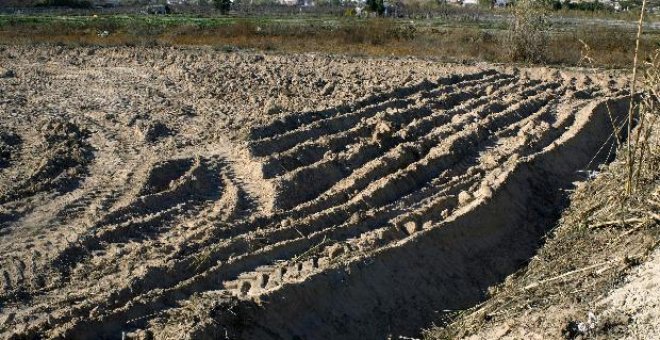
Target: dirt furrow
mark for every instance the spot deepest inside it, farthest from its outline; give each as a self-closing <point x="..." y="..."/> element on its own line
<point x="280" y="143"/>
<point x="375" y="167"/>
<point x="310" y="181"/>
<point x="385" y="235"/>
<point x="295" y="121"/>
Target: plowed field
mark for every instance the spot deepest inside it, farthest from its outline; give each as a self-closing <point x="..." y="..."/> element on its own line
<point x="165" y="193"/>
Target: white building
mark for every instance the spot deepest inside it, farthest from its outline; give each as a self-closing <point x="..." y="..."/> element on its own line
<point x="302" y="3"/>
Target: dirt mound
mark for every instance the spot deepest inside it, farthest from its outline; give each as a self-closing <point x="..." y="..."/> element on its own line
<point x="352" y="215"/>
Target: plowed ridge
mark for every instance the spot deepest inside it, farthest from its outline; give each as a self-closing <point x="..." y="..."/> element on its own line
<point x="345" y="222"/>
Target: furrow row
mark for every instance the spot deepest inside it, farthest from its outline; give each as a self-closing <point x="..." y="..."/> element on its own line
<point x="384" y="122"/>
<point x="295" y="121"/>
<point x="351" y="170"/>
<point x="335" y="124"/>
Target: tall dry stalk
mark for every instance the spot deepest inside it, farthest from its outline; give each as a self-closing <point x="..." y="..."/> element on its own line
<point x="527" y="39"/>
<point x="645" y="142"/>
<point x="633" y="91"/>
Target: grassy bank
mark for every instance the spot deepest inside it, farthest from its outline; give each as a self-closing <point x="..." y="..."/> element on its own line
<point x="448" y="40"/>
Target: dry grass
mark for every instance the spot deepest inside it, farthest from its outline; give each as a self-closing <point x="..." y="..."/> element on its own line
<point x="644" y="139"/>
<point x="378" y="37"/>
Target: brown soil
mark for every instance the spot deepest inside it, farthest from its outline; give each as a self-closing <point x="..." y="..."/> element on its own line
<point x="176" y="193"/>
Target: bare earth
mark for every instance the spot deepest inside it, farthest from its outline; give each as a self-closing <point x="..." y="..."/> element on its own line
<point x="638" y="300"/>
<point x="195" y="194"/>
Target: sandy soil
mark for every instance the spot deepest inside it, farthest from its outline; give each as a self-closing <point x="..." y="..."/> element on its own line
<point x="637" y="301"/>
<point x="190" y="193"/>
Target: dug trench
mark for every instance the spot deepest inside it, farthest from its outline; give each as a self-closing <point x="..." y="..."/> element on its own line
<point x="401" y="288"/>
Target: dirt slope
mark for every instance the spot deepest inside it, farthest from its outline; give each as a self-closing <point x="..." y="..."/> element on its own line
<point x="595" y="278"/>
<point x="188" y="193"/>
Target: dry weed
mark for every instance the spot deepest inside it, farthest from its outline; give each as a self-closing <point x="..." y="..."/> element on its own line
<point x="527" y="38"/>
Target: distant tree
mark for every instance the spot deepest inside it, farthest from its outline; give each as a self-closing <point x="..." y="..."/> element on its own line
<point x="223" y="5"/>
<point x="376" y="6"/>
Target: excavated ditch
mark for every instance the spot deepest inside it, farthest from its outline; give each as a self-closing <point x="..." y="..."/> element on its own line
<point x="358" y="220"/>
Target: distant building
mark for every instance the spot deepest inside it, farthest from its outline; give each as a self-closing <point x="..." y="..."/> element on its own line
<point x="183" y="2"/>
